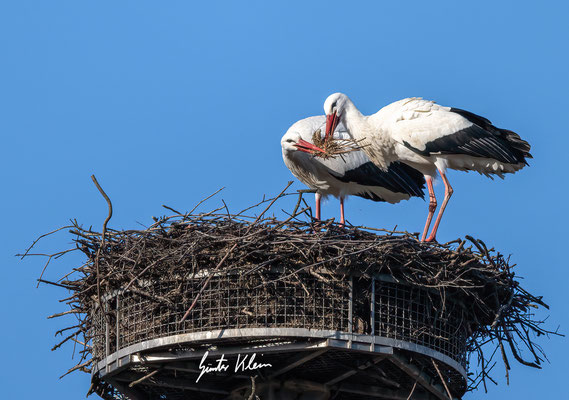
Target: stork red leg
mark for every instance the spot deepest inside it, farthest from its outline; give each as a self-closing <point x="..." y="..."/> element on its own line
<point x="317" y="198"/>
<point x="432" y="206"/>
<point x="342" y="220"/>
<point x="448" y="194"/>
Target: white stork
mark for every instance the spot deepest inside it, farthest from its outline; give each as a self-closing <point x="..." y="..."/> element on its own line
<point x="429" y="137"/>
<point x="352" y="174"/>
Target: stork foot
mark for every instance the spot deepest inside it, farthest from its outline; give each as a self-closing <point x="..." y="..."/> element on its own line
<point x="431" y="238"/>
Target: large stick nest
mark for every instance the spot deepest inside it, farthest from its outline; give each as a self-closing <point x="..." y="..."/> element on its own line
<point x="498" y="310"/>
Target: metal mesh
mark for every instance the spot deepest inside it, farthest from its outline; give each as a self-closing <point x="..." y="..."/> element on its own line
<point x="418" y="316"/>
<point x="228" y="302"/>
<point x="400" y="312"/>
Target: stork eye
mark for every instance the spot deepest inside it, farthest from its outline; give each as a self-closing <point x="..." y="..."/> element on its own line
<point x="290" y="141"/>
<point x="334" y="105"/>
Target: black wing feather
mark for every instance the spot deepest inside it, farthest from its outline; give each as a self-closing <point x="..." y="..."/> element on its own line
<point x="517" y="146"/>
<point x="370" y="196"/>
<point x="399" y="178"/>
<point x="481" y="139"/>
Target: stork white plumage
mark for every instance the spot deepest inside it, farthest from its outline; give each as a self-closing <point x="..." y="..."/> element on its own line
<point x="430" y="138"/>
<point x="352" y="174"/>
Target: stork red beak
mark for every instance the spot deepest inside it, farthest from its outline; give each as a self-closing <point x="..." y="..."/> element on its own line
<point x="331" y="124"/>
<point x="308" y="147"/>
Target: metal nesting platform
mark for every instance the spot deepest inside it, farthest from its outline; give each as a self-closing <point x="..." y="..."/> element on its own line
<point x="351" y="338"/>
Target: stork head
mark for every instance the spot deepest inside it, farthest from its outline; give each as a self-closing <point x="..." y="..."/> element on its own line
<point x="292" y="141"/>
<point x="334" y="107"/>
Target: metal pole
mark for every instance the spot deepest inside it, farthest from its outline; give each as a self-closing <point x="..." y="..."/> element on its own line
<point x="372" y="316"/>
<point x="117" y="329"/>
<point x="350" y="311"/>
<point x="107" y="330"/>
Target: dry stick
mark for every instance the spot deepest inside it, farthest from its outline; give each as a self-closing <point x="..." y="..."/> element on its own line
<point x="300" y="193"/>
<point x="57" y="346"/>
<point x="156" y="298"/>
<point x="319" y="263"/>
<point x="143" y="271"/>
<point x="78" y="366"/>
<point x="59" y="332"/>
<point x="513" y="349"/>
<point x="81" y="343"/>
<point x="50" y="257"/>
<point x="482" y="248"/>
<point x="297" y="203"/>
<point x="206" y="283"/>
<point x="74" y="346"/>
<point x="54" y="284"/>
<point x="504" y="357"/>
<point x="42" y="236"/>
<point x="252" y="396"/>
<point x="503" y="308"/>
<point x="145" y="377"/>
<point x="412" y="391"/>
<point x="270" y="205"/>
<point x="74" y="311"/>
<point x="171" y="209"/>
<point x="102" y="238"/>
<point x="229" y="252"/>
<point x="266" y="200"/>
<point x="442" y="379"/>
<point x="227" y="209"/>
<point x="207" y="198"/>
<point x="293" y="216"/>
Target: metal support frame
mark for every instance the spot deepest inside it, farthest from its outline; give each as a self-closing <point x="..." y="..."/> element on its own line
<point x="375" y="391"/>
<point x="118" y="327"/>
<point x="350" y="310"/>
<point x="291" y="339"/>
<point x="422" y="378"/>
<point x="354" y="371"/>
<point x="372" y="311"/>
<point x="131" y="393"/>
<point x="107" y="331"/>
<point x="182" y="351"/>
<point x="173" y="383"/>
<point x="303" y="358"/>
<point x="188" y="366"/>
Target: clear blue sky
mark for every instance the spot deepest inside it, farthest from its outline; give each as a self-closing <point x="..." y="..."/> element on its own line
<point x="167" y="101"/>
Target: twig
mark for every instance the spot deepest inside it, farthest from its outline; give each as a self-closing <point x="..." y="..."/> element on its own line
<point x="252" y="396"/>
<point x="206" y="199"/>
<point x="442" y="379"/>
<point x="110" y="206"/>
<point x="270" y="205"/>
<point x="145" y="377"/>
<point x="412" y="390"/>
<point x="41" y="237"/>
<point x="75" y="368"/>
<point x="207" y="282"/>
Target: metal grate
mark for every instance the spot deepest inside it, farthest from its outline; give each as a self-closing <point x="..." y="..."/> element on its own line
<point x="381" y="308"/>
<point x="418" y="316"/>
<point x="228" y="302"/>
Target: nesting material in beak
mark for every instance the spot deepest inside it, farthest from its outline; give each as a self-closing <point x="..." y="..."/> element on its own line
<point x="331" y="124"/>
<point x="307" y="147"/>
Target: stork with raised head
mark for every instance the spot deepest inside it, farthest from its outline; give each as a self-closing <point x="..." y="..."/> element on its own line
<point x="352" y="174"/>
<point x="430" y="138"/>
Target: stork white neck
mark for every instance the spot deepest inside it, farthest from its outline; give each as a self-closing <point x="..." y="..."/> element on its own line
<point x="354" y="121"/>
<point x="376" y="143"/>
